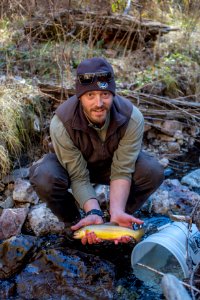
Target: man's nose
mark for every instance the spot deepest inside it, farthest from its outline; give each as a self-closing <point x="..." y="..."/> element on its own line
<point x="99" y="101"/>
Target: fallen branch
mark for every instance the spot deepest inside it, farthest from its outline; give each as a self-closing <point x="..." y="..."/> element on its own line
<point x="162" y="274"/>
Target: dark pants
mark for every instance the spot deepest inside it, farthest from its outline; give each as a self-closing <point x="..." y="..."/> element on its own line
<point x="51" y="182"/>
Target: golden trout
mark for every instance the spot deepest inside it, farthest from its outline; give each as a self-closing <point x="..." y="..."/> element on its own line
<point x="109" y="232"/>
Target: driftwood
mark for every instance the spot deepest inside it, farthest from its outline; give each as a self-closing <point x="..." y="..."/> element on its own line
<point x="173" y="289"/>
<point x="189" y="286"/>
<point x="154" y="108"/>
<point x="122" y="30"/>
<point x="182" y="109"/>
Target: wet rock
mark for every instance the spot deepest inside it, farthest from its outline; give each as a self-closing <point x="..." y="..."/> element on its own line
<point x="16" y="174"/>
<point x="42" y="221"/>
<point x="11" y="221"/>
<point x="175" y="197"/>
<point x="23" y="192"/>
<point x="192" y="179"/>
<point x="7" y="289"/>
<point x="168" y="172"/>
<point x="14" y="253"/>
<point x="58" y="273"/>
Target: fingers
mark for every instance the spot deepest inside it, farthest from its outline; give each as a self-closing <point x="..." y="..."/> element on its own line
<point x="137" y="221"/>
<point x="90" y="238"/>
<point x="123" y="239"/>
<point x="126" y="220"/>
<point x="78" y="225"/>
<point x="92" y="219"/>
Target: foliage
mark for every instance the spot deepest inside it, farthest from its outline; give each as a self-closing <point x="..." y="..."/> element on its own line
<point x="118" y="5"/>
<point x="177" y="72"/>
<point x="19" y="104"/>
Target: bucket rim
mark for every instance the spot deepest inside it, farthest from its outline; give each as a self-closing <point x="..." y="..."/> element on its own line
<point x="183" y="265"/>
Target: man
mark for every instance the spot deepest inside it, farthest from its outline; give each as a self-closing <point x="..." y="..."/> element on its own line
<point x="97" y="137"/>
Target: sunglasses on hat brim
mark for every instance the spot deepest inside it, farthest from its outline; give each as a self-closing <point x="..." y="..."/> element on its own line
<point x="88" y="78"/>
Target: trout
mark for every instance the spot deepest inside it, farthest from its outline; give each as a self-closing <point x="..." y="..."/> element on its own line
<point x="109" y="232"/>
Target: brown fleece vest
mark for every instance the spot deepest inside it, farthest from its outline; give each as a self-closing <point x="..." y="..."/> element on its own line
<point x="98" y="154"/>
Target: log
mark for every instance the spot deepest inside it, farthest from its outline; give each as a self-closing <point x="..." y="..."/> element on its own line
<point x="173" y="288"/>
<point x="91" y="26"/>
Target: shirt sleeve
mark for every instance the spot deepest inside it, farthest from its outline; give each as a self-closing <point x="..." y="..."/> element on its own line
<point x="123" y="165"/>
<point x="73" y="161"/>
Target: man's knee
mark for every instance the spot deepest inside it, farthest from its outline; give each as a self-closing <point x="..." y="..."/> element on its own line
<point x="155" y="174"/>
<point x="46" y="175"/>
<point x="148" y="170"/>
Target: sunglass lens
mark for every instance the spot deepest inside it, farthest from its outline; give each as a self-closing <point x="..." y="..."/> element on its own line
<point x="86" y="78"/>
<point x="104" y="76"/>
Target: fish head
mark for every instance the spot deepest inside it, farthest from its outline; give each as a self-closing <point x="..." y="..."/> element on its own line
<point x="79" y="234"/>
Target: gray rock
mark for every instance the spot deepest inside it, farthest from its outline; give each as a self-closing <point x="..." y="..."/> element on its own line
<point x="11" y="221"/>
<point x="164" y="162"/>
<point x="192" y="179"/>
<point x="16" y="174"/>
<point x="174" y="147"/>
<point x="103" y="194"/>
<point x="23" y="192"/>
<point x="8" y="203"/>
<point x="170" y="127"/>
<point x="42" y="221"/>
<point x="174" y="197"/>
<point x="179" y="135"/>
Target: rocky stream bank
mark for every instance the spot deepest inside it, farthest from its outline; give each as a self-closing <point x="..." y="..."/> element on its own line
<point x="39" y="259"/>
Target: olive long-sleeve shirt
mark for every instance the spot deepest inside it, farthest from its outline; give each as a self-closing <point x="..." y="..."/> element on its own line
<point x="70" y="157"/>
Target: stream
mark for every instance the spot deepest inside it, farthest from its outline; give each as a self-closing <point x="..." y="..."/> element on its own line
<point x="58" y="263"/>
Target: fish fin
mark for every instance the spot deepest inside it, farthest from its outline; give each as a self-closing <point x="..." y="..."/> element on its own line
<point x="111" y="224"/>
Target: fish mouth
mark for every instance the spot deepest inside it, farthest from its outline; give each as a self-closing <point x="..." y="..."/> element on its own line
<point x="76" y="236"/>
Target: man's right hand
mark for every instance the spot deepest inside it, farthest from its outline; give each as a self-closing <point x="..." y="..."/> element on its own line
<point x="89" y="238"/>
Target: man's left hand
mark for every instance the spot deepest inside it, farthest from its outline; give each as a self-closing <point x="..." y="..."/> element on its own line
<point x="90" y="237"/>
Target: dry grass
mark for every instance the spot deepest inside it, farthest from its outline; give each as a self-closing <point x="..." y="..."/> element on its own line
<point x="17" y="102"/>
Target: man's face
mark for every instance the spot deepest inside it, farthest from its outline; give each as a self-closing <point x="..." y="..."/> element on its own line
<point x="96" y="105"/>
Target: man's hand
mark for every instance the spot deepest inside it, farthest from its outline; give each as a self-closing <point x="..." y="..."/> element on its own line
<point x="124" y="219"/>
<point x="90" y="238"/>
